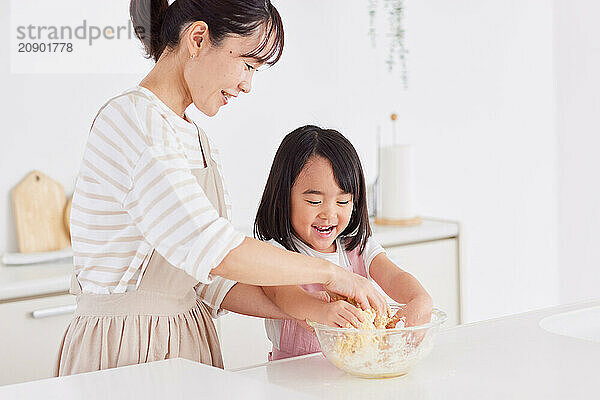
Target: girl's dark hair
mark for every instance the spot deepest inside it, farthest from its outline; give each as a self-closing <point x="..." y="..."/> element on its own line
<point x="158" y="24"/>
<point x="273" y="219"/>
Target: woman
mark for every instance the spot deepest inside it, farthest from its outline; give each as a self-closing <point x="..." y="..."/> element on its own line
<point x="154" y="251"/>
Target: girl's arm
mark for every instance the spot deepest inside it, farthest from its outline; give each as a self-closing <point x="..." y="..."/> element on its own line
<point x="403" y="288"/>
<point x="301" y="305"/>
<point x="258" y="263"/>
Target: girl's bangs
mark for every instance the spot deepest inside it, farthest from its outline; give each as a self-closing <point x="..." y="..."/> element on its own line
<point x="345" y="181"/>
<point x="345" y="171"/>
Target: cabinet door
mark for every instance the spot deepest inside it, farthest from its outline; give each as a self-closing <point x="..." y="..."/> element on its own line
<point x="29" y="344"/>
<point x="435" y="265"/>
<point x="243" y="340"/>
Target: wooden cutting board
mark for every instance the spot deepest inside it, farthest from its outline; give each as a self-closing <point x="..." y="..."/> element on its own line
<point x="39" y="205"/>
<point x="67" y="217"/>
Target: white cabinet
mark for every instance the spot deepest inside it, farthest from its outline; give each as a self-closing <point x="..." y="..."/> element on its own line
<point x="243" y="340"/>
<point x="31" y="331"/>
<point x="435" y="265"/>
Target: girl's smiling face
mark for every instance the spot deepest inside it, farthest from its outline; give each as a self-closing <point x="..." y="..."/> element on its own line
<point x="320" y="210"/>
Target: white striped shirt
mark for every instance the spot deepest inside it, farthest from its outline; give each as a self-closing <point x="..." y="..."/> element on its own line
<point x="136" y="192"/>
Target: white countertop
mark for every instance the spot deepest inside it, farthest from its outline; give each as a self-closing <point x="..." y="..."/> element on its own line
<point x="17" y="281"/>
<point x="506" y="358"/>
<point x="170" y="379"/>
<point x="429" y="229"/>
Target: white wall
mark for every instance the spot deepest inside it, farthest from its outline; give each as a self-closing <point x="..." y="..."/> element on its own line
<point x="480" y="109"/>
<point x="45" y="118"/>
<point x="578" y="123"/>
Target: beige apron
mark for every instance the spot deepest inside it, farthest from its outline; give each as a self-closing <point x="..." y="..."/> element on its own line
<point x="161" y="319"/>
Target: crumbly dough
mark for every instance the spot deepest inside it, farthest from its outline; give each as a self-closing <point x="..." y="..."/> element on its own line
<point x="372" y="319"/>
<point x="373" y="352"/>
<point x="348" y="344"/>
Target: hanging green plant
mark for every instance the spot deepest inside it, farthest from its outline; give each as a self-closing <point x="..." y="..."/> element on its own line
<point x="397" y="51"/>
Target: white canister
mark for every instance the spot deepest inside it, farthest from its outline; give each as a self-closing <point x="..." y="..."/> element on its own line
<point x="396" y="183"/>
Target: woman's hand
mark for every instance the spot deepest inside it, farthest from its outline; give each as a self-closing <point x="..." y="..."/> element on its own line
<point x="339" y="314"/>
<point x="321" y="295"/>
<point x="358" y="288"/>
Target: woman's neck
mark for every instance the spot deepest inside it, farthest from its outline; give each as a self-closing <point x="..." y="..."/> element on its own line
<point x="166" y="81"/>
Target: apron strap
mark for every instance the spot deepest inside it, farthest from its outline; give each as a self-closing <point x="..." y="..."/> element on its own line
<point x="205" y="148"/>
<point x="357" y="262"/>
<point x="75" y="285"/>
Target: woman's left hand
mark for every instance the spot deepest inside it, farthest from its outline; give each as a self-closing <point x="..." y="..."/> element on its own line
<point x="321" y="295"/>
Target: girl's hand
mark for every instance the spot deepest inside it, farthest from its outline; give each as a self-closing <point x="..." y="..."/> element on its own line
<point x="358" y="288"/>
<point x="339" y="314"/>
<point x="416" y="312"/>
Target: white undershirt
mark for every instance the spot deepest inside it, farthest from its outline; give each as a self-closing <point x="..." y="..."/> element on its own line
<point x="339" y="257"/>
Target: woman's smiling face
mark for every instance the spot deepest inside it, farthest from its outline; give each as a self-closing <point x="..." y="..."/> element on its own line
<point x="320" y="210"/>
<point x="216" y="74"/>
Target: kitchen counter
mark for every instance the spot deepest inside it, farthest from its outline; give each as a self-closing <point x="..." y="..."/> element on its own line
<point x="170" y="379"/>
<point x="18" y="281"/>
<point x="428" y="230"/>
<point x="506" y="358"/>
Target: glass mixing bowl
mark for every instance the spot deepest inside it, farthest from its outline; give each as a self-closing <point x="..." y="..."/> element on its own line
<point x="378" y="353"/>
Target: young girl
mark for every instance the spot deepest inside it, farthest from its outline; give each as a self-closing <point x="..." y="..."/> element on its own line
<point x="314" y="203"/>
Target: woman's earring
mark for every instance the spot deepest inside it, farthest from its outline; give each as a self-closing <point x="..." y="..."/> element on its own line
<point x="199" y="46"/>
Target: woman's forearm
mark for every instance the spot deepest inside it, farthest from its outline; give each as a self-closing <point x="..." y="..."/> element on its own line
<point x="295" y="301"/>
<point x="251" y="300"/>
<point x="259" y="263"/>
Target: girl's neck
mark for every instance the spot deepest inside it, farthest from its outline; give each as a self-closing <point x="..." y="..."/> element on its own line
<point x="318" y="251"/>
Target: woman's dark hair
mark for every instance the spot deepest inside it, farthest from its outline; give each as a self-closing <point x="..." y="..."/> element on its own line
<point x="158" y="24"/>
<point x="273" y="219"/>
